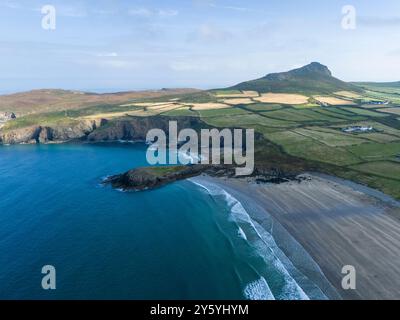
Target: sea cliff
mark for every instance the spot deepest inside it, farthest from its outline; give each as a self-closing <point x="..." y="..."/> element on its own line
<point x="128" y="128"/>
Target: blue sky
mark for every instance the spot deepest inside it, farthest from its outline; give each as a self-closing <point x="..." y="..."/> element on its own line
<point x="108" y="45"/>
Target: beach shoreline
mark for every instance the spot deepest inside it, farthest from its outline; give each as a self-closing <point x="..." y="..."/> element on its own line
<point x="335" y="223"/>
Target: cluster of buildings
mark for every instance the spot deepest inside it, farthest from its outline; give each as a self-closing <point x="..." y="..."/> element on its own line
<point x="358" y="129"/>
<point x="374" y="102"/>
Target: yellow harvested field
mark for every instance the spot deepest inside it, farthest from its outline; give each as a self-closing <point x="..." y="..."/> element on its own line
<point x="243" y="94"/>
<point x="147" y="104"/>
<point x="209" y="106"/>
<point x="333" y="101"/>
<point x="112" y="115"/>
<point x="164" y="107"/>
<point x="251" y="94"/>
<point x="391" y="110"/>
<point x="285" y="98"/>
<point x="348" y="94"/>
<point x="238" y="101"/>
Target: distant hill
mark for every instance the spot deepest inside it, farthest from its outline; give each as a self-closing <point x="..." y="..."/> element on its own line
<point x="378" y="84"/>
<point x="49" y="100"/>
<point x="313" y="78"/>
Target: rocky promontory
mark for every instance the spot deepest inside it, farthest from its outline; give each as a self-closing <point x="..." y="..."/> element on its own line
<point x="148" y="178"/>
<point x="153" y="177"/>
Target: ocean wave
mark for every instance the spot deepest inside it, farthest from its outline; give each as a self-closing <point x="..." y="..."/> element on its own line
<point x="241" y="234"/>
<point x="258" y="290"/>
<point x="265" y="245"/>
<point x="190" y="158"/>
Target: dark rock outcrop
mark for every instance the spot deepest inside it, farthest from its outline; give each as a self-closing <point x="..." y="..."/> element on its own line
<point x="136" y="128"/>
<point x="66" y="133"/>
<point x="129" y="128"/>
<point x="5" y="116"/>
<point x="23" y="135"/>
<point x="148" y="178"/>
<point x="47" y="134"/>
<point x="154" y="177"/>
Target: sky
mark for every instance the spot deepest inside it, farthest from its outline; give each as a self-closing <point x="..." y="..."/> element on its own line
<point x="105" y="46"/>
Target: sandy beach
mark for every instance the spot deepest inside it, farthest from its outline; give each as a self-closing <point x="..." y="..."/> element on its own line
<point x="337" y="222"/>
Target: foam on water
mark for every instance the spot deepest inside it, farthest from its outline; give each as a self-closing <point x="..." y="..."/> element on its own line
<point x="242" y="234"/>
<point x="190" y="157"/>
<point x="265" y="246"/>
<point x="258" y="290"/>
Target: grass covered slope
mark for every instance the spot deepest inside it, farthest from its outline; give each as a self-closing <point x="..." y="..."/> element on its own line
<point x="311" y="79"/>
<point x="50" y="100"/>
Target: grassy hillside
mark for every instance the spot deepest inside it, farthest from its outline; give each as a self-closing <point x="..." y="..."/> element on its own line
<point x="39" y="101"/>
<point x="309" y="80"/>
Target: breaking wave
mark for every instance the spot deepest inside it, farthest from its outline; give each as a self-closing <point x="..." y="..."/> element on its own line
<point x="266" y="247"/>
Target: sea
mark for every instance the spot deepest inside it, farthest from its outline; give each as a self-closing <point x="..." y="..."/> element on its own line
<point x="182" y="241"/>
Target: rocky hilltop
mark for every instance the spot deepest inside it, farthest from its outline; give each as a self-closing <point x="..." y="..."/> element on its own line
<point x="314" y="78"/>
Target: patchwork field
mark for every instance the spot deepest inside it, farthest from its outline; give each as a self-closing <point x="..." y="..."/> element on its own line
<point x="208" y="106"/>
<point x="395" y="111"/>
<point x="284" y="98"/>
<point x="238" y="101"/>
<point x="306" y="147"/>
<point x="333" y="101"/>
<point x="330" y="138"/>
<point x="235" y="94"/>
<point x="385" y="169"/>
<point x="348" y="94"/>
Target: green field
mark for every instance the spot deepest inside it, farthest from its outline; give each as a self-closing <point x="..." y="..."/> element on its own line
<point x="376" y="151"/>
<point x="222" y="112"/>
<point x="330" y="138"/>
<point x="183" y="112"/>
<point x="263" y="107"/>
<point x="363" y="112"/>
<point x="384" y="169"/>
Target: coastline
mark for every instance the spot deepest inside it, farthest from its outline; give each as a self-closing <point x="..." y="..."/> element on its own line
<point x="324" y="223"/>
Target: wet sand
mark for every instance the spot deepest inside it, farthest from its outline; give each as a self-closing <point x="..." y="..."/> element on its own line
<point x="338" y="223"/>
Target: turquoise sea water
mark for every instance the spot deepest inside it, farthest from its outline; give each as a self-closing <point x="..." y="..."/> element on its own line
<point x="176" y="242"/>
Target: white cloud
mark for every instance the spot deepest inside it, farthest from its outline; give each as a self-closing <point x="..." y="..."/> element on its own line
<point x="140" y="12"/>
<point x="212" y="4"/>
<point x="211" y="33"/>
<point x="73" y="12"/>
<point x="10" y="4"/>
<point x="145" y="12"/>
<point x="167" y="13"/>
<point x="107" y="54"/>
<point x="118" y="64"/>
<point x="375" y="21"/>
<point x="105" y="12"/>
<point x="111" y="62"/>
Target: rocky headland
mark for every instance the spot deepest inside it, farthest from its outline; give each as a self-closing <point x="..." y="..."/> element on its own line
<point x="100" y="130"/>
